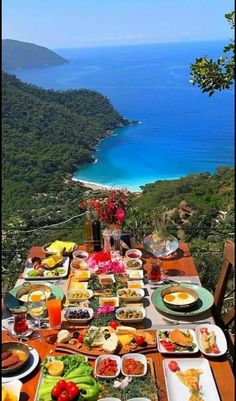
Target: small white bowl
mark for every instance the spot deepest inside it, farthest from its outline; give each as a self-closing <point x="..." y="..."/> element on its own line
<point x="132" y="252"/>
<point x="14" y="386"/>
<point x="106" y="276"/>
<point x="135" y="274"/>
<point x="82" y="255"/>
<point x="101" y="358"/>
<point x="138" y="291"/>
<point x="136" y="261"/>
<point x="138" y="399"/>
<point x="78" y="265"/>
<point x="82" y="292"/>
<point x="82" y="275"/>
<point x="130" y="308"/>
<point x="135" y="284"/>
<point x="109" y="399"/>
<point x="107" y="300"/>
<point x="137" y="357"/>
<point x="78" y="321"/>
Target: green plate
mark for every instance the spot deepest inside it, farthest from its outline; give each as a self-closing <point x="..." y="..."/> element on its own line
<point x="204" y="303"/>
<point x="12" y="302"/>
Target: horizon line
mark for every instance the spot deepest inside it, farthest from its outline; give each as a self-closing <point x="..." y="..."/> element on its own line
<point x="124" y="44"/>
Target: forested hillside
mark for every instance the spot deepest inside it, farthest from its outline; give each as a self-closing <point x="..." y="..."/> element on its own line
<point x="46" y="135"/>
<point x="17" y="54"/>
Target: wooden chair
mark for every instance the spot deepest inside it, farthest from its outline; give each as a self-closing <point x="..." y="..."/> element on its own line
<point x="220" y="295"/>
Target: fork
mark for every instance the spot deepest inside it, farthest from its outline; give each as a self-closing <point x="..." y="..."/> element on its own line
<point x="176" y="322"/>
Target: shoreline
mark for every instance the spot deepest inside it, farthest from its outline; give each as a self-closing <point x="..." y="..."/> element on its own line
<point x="97" y="186"/>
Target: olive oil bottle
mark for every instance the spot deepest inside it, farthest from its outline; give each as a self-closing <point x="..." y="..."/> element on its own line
<point x="88" y="232"/>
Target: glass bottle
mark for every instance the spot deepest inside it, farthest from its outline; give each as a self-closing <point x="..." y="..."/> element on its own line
<point x="88" y="232"/>
<point x="96" y="228"/>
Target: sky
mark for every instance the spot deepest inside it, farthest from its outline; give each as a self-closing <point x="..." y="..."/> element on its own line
<point x="89" y="23"/>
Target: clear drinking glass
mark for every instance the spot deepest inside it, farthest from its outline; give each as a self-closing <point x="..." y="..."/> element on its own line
<point x="37" y="308"/>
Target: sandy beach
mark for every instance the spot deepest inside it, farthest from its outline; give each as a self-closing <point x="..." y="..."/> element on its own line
<point x="96" y="186"/>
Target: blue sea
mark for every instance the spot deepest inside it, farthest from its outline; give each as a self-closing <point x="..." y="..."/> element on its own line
<point x="180" y="130"/>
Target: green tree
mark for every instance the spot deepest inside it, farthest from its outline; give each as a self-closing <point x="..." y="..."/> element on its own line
<point x="211" y="75"/>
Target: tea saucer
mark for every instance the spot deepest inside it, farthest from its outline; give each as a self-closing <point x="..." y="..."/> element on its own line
<point x="10" y="329"/>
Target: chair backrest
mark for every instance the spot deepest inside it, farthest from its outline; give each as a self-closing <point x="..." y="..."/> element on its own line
<point x="219" y="296"/>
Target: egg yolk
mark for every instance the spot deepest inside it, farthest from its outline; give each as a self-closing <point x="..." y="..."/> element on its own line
<point x="183" y="295"/>
<point x="169" y="298"/>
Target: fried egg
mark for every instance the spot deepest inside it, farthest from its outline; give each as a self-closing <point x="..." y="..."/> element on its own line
<point x="179" y="298"/>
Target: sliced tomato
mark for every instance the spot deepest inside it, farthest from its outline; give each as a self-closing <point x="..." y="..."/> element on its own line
<point x="215" y="349"/>
<point x="204" y="330"/>
<point x="167" y="345"/>
<point x="173" y="366"/>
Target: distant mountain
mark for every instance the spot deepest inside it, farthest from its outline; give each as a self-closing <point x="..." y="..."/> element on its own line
<point x="16" y="54"/>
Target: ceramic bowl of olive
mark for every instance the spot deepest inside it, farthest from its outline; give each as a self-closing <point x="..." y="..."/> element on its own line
<point x="133" y="264"/>
<point x="78" y="315"/>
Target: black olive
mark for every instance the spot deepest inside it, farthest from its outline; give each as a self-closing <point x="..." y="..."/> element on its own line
<point x="75" y="334"/>
<point x="107" y="336"/>
<point x="83" y="391"/>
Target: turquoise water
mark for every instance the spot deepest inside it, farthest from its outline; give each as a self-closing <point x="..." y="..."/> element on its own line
<point x="181" y="131"/>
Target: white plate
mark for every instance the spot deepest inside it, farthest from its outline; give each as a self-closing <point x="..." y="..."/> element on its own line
<point x="164" y="351"/>
<point x="49" y="358"/>
<point x="177" y="391"/>
<point x="28" y="368"/>
<point x="220" y="339"/>
<point x="65" y="266"/>
<point x="134" y="274"/>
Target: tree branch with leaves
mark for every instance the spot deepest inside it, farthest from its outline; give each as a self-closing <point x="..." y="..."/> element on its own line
<point x="211" y="75"/>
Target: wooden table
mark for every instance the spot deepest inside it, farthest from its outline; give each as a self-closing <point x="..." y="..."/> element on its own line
<point x="220" y="368"/>
<point x="183" y="265"/>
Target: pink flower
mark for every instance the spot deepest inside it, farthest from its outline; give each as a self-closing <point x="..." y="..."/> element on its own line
<point x="120" y="215"/>
<point x="105" y="309"/>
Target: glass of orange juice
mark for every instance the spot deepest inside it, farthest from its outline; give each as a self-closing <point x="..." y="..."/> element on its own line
<point x="54" y="313"/>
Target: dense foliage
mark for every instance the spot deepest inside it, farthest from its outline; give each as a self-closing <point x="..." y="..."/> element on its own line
<point x="198" y="209"/>
<point x="16" y="54"/>
<point x="211" y="75"/>
<point x="46" y="135"/>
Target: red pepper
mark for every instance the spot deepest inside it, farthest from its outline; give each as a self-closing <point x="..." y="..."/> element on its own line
<point x="64" y="396"/>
